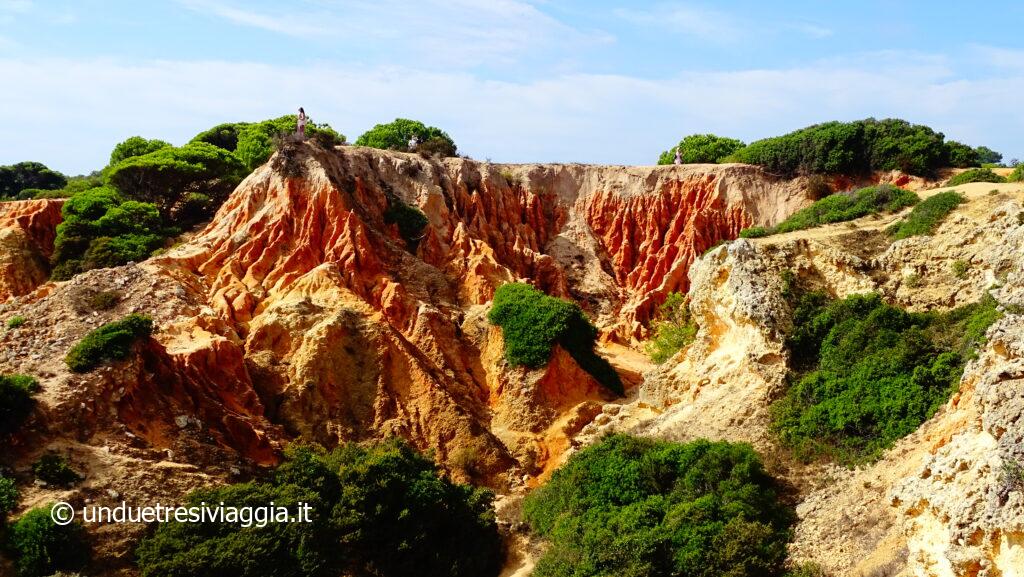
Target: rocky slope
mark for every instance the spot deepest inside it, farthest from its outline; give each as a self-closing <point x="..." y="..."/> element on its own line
<point x="301" y="312"/>
<point x="938" y="503"/>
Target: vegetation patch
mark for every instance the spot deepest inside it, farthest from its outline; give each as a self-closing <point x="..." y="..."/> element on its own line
<point x="928" y="215"/>
<point x="16" y="178"/>
<point x="673" y="330"/>
<point x="851" y="148"/>
<point x="1017" y="175"/>
<point x="42" y="547"/>
<point x="975" y="175"/>
<point x="378" y="510"/>
<point x="16" y="401"/>
<point x="532" y="323"/>
<point x="55" y="469"/>
<point x="866" y="374"/>
<point x="841" y="207"/>
<point x="110" y="342"/>
<point x="396" y="136"/>
<point x="410" y="221"/>
<point x="16" y="321"/>
<point x="8" y="498"/>
<point x="640" y="507"/>
<point x="104" y="300"/>
<point x="701" y="149"/>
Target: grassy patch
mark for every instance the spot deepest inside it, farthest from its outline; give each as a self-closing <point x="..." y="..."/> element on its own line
<point x="959" y="268"/>
<point x="16" y="321"/>
<point x="110" y="342"/>
<point x="638" y="507"/>
<point x="975" y="175"/>
<point x="104" y="300"/>
<point x="532" y="323"/>
<point x="673" y="330"/>
<point x="865" y="373"/>
<point x="55" y="469"/>
<point x="928" y="215"/>
<point x="841" y="207"/>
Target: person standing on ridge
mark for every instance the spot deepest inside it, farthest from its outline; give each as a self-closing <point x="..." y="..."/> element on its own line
<point x="301" y="123"/>
<point x="679" y="157"/>
<point x="413" y="142"/>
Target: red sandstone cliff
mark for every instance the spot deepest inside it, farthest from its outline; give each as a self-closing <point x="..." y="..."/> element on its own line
<point x="27" y="230"/>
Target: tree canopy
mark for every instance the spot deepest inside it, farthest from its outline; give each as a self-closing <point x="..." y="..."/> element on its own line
<point x="24" y="175"/>
<point x="395" y="136"/>
<point x="135" y="146"/>
<point x="702" y="148"/>
<point x="168" y="176"/>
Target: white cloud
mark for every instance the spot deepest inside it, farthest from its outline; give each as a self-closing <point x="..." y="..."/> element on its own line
<point x="15" y="6"/>
<point x="705" y="24"/>
<point x="442" y="33"/>
<point x="578" y="117"/>
<point x="812" y="30"/>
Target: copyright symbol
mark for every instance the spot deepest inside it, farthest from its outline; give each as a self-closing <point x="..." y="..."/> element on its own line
<point x="62" y="513"/>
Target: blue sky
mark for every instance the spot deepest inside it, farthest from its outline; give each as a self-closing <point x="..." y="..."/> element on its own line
<point x="511" y="80"/>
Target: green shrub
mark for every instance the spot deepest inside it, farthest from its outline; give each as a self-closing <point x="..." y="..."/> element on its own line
<point x="395" y="136"/>
<point x="961" y="155"/>
<point x="55" y="469"/>
<point x="42" y="547"/>
<point x="640" y="507"/>
<point x="17" y="177"/>
<point x="110" y="342"/>
<point x="988" y="156"/>
<point x="673" y="330"/>
<point x="702" y="149"/>
<point x="928" y="215"/>
<point x="1017" y="175"/>
<point x="841" y="207"/>
<point x="167" y="176"/>
<point x="223" y="135"/>
<point x="975" y="175"/>
<point x="378" y="510"/>
<point x="104" y="300"/>
<point x="135" y="146"/>
<point x="100" y="229"/>
<point x="851" y="148"/>
<point x="16" y="321"/>
<point x="15" y="401"/>
<point x="410" y="221"/>
<point x="865" y="373"/>
<point x="959" y="268"/>
<point x="532" y="323"/>
<point x="755" y="232"/>
<point x="8" y="498"/>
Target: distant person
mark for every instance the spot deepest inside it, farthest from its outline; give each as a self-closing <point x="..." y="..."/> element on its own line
<point x="413" y="142"/>
<point x="301" y="123"/>
<point x="679" y="157"/>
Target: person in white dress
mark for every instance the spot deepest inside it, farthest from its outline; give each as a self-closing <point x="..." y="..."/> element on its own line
<point x="301" y="123"/>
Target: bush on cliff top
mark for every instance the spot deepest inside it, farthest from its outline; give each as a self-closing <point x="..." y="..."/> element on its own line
<point x="841" y="207"/>
<point x="701" y="148"/>
<point x="866" y="374"/>
<point x="927" y="215"/>
<point x="532" y="323"/>
<point x="377" y="510"/>
<point x="110" y="342"/>
<point x="851" y="148"/>
<point x="15" y="401"/>
<point x="395" y="136"/>
<point x="640" y="507"/>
